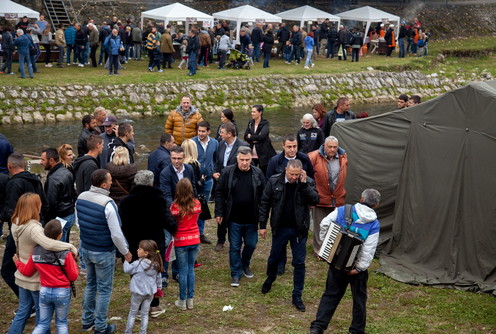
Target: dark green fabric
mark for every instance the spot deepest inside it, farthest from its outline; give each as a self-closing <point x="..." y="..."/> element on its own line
<point x="435" y="167"/>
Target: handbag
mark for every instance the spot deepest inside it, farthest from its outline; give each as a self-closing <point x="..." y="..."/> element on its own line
<point x="73" y="286"/>
<point x="205" y="210"/>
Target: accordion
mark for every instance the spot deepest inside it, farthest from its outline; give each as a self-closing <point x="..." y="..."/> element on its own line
<point x="340" y="247"/>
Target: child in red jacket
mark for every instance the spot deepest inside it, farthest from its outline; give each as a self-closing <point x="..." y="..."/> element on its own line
<point x="57" y="271"/>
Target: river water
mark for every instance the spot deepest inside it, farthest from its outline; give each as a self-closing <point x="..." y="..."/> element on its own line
<point x="33" y="138"/>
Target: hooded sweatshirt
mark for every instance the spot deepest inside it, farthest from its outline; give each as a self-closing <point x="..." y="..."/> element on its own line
<point x="146" y="280"/>
<point x="84" y="167"/>
<point x="365" y="224"/>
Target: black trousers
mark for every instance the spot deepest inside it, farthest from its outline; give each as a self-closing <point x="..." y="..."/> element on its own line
<point x="93" y="55"/>
<point x="337" y="282"/>
<point x="222" y="232"/>
<point x="8" y="265"/>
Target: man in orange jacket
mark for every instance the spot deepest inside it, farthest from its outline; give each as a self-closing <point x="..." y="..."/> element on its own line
<point x="182" y="123"/>
<point x="330" y="165"/>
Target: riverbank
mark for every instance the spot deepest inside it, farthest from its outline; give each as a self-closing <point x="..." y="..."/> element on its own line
<point x="63" y="94"/>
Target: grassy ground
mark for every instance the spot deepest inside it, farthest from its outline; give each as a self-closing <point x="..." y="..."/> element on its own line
<point x="392" y="307"/>
<point x="136" y="72"/>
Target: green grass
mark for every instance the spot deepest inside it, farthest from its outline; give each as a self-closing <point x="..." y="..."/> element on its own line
<point x="136" y="72"/>
<point x="393" y="307"/>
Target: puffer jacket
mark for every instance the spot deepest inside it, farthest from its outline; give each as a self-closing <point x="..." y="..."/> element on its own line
<point x="60" y="38"/>
<point x="112" y="44"/>
<point x="274" y="197"/>
<point x="183" y="126"/>
<point x="329" y="198"/>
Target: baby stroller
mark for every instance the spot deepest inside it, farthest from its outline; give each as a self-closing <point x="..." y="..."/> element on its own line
<point x="238" y="60"/>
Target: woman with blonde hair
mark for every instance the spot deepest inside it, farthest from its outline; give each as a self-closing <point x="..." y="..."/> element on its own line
<point x="309" y="136"/>
<point x="66" y="156"/>
<point x="27" y="232"/>
<point x="122" y="173"/>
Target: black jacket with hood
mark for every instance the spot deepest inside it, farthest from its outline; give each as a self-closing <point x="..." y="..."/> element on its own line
<point x="84" y="167"/>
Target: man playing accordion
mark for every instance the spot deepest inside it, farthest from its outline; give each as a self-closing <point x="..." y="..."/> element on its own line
<point x="365" y="224"/>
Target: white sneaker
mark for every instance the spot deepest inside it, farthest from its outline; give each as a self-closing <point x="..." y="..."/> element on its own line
<point x="306" y="67"/>
<point x="313" y="64"/>
<point x="81" y="65"/>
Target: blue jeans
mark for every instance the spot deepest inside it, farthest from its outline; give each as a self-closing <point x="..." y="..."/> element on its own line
<point x="266" y="59"/>
<point x="86" y="52"/>
<point x="295" y="53"/>
<point x="79" y="54"/>
<point x="186" y="257"/>
<point x="67" y="227"/>
<point x="239" y="233"/>
<point x="256" y="52"/>
<point x="25" y="59"/>
<point x="298" y="247"/>
<point x="99" y="281"/>
<point x="192" y="63"/>
<point x="27" y="299"/>
<point x="70" y="48"/>
<point x="58" y="300"/>
<point x="207" y="190"/>
<point x="308" y="62"/>
<point x="401" y="42"/>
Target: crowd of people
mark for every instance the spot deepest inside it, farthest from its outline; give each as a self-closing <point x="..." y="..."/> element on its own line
<point x="120" y="41"/>
<point x="156" y="217"/>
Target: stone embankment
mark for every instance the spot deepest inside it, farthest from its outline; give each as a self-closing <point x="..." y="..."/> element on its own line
<point x="64" y="103"/>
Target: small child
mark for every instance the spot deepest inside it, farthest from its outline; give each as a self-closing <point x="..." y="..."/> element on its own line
<point x="184" y="55"/>
<point x="146" y="281"/>
<point x="156" y="58"/>
<point x="57" y="271"/>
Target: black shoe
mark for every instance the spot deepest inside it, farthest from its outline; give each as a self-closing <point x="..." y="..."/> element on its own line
<point x="235" y="282"/>
<point x="266" y="286"/>
<point x="316" y="330"/>
<point x="204" y="240"/>
<point x="219" y="247"/>
<point x="175" y="277"/>
<point x="109" y="330"/>
<point x="247" y="272"/>
<point x="299" y="304"/>
<point x="87" y="328"/>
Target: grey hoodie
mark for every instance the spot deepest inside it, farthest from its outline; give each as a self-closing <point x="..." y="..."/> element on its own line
<point x="145" y="279"/>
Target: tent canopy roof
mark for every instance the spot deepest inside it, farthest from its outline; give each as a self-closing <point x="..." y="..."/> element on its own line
<point x="307" y="13"/>
<point x="246" y="13"/>
<point x="10" y="7"/>
<point x="368" y="13"/>
<point x="176" y="12"/>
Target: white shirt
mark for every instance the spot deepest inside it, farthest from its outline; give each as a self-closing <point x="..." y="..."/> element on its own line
<point x="180" y="174"/>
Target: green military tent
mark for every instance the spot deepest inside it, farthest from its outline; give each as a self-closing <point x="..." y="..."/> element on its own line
<point x="435" y="166"/>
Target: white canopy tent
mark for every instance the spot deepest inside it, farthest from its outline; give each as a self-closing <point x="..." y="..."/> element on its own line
<point x="12" y="10"/>
<point x="307" y="13"/>
<point x="369" y="15"/>
<point x="245" y="13"/>
<point x="177" y="12"/>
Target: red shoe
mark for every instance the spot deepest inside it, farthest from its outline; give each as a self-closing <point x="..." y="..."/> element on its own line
<point x="197" y="264"/>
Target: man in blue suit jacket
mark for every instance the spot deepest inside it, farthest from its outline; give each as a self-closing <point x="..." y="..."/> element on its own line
<point x="160" y="158"/>
<point x="170" y="175"/>
<point x="226" y="156"/>
<point x="207" y="155"/>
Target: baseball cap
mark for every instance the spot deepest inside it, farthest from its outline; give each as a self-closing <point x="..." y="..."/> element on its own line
<point x="109" y="120"/>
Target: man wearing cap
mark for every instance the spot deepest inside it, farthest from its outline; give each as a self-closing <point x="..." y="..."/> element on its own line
<point x="401" y="39"/>
<point x="390" y="40"/>
<point x="110" y="126"/>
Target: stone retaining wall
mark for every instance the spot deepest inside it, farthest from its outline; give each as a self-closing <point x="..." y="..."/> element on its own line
<point x="62" y="103"/>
